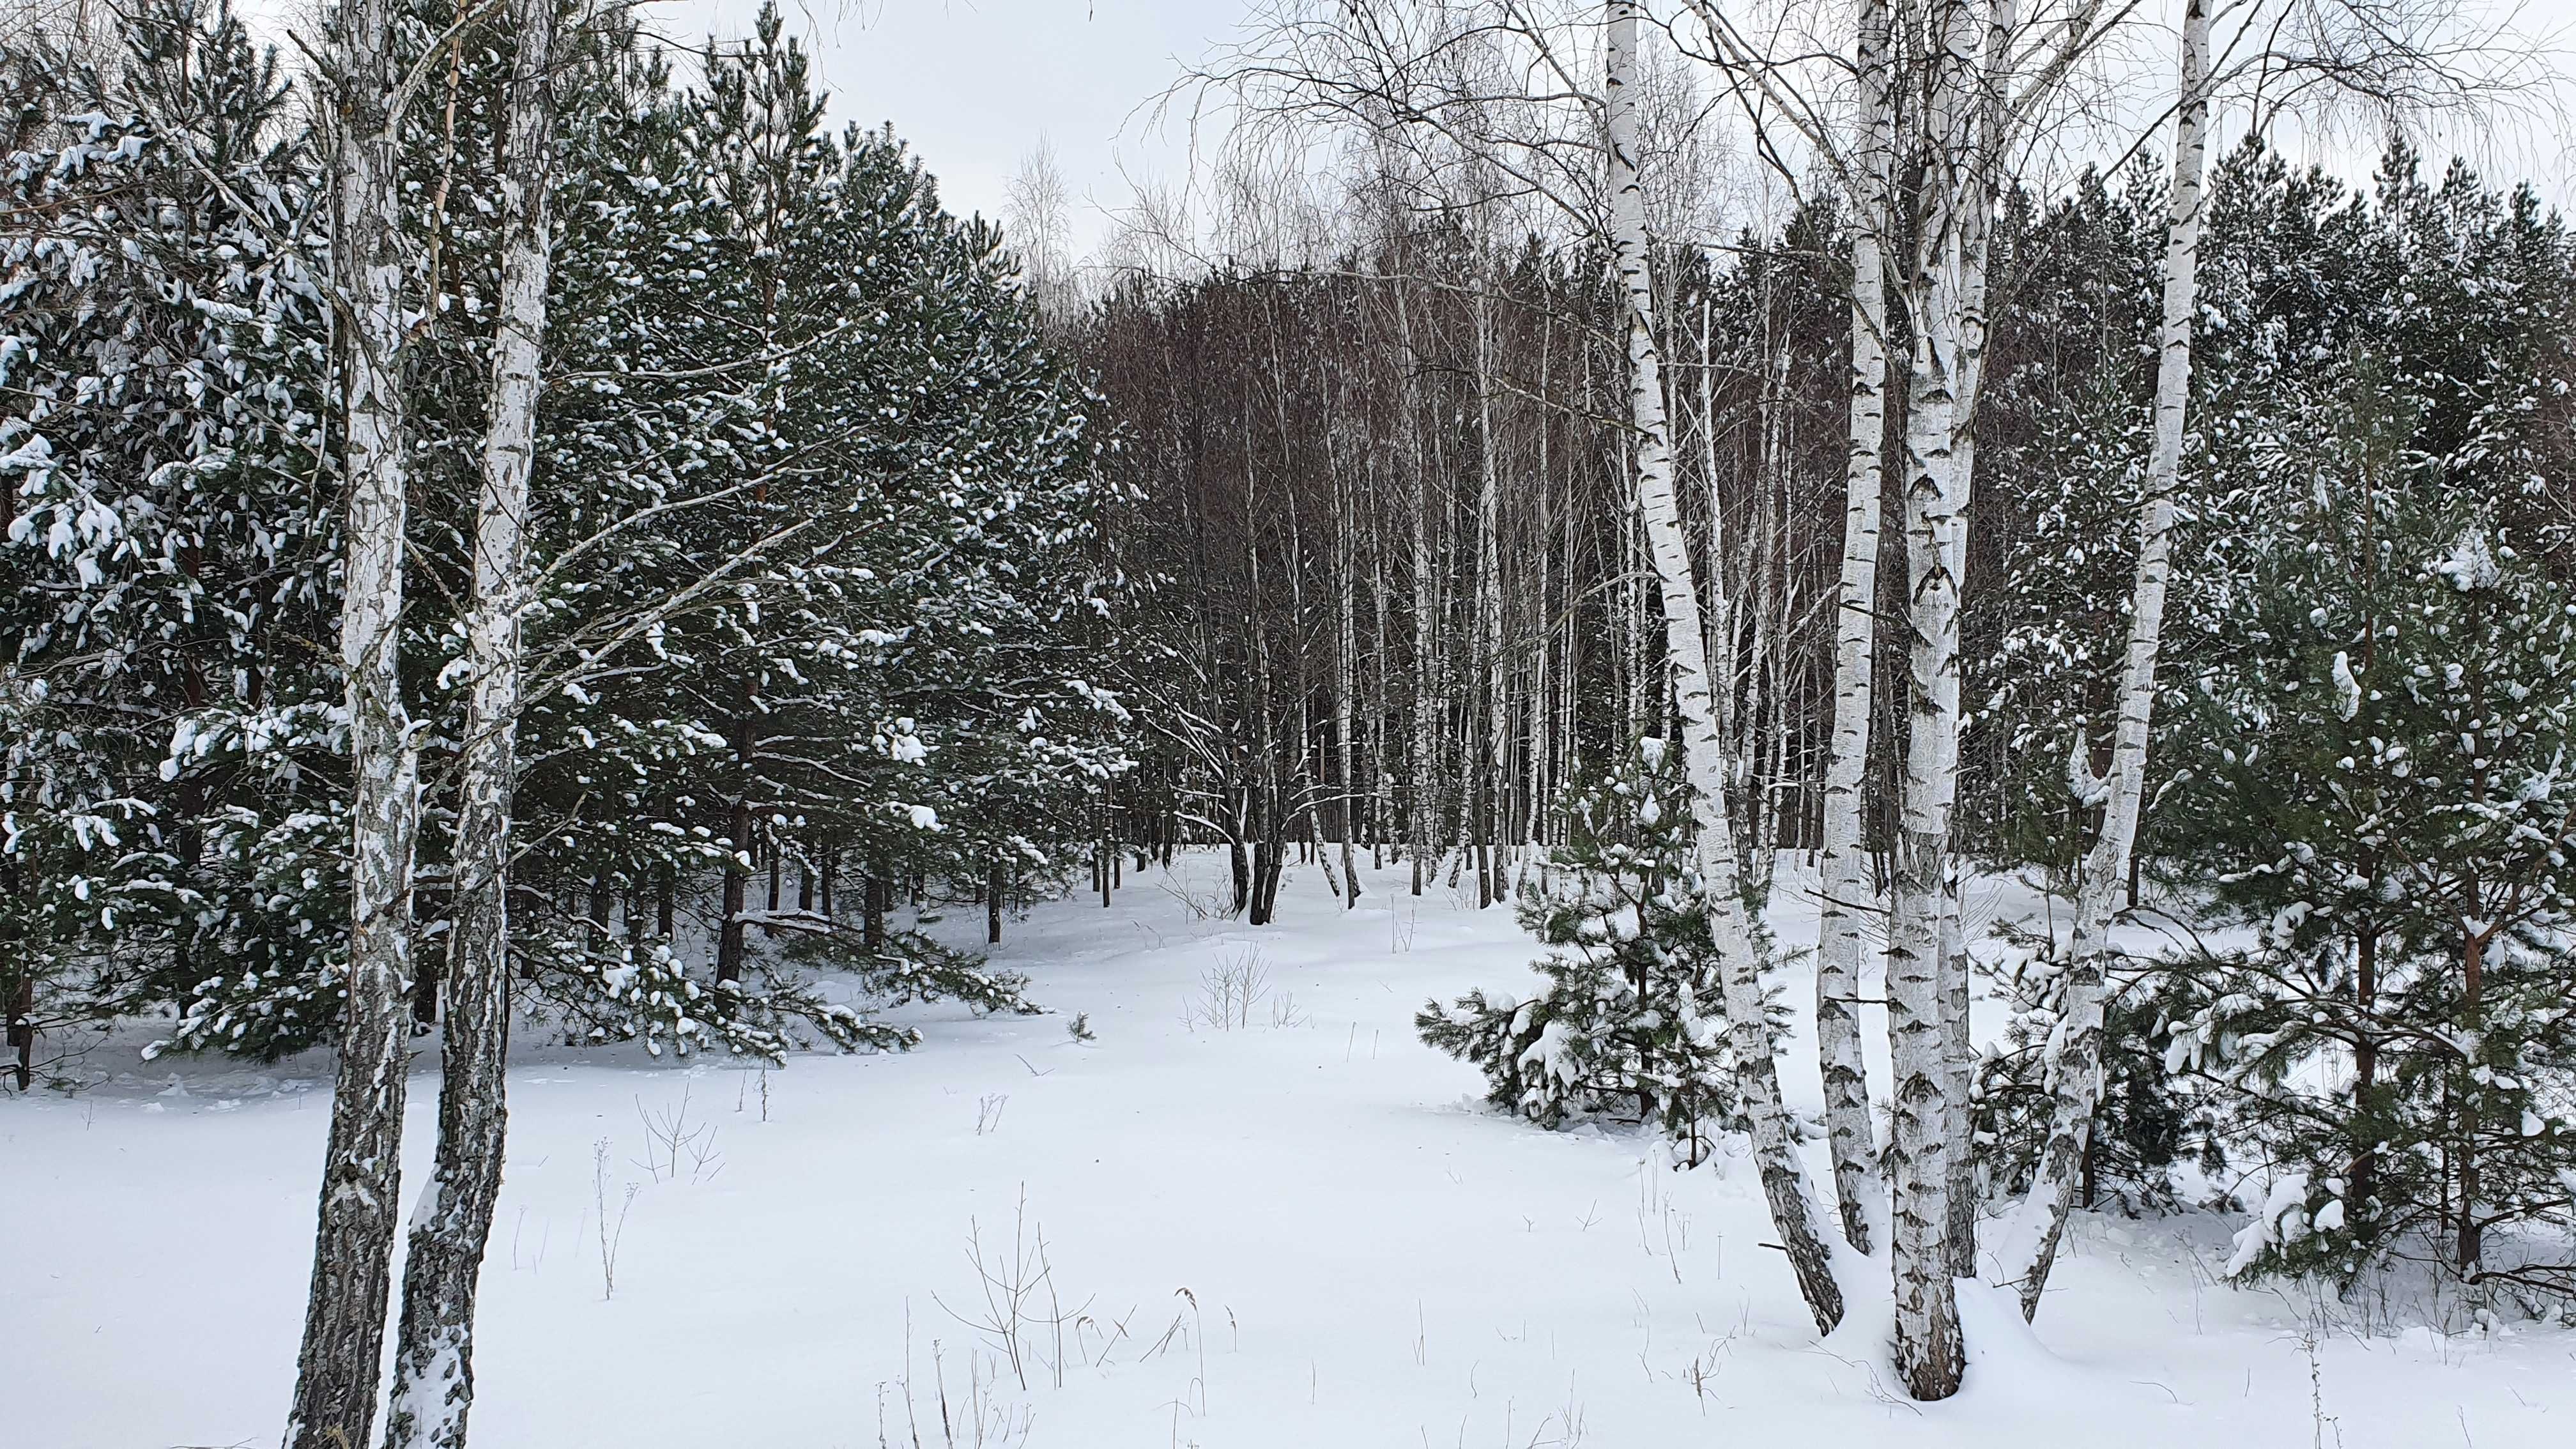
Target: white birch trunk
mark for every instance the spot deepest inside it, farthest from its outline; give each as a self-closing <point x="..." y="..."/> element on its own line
<point x="1929" y="1352"/>
<point x="1345" y="684"/>
<point x="2029" y="1243"/>
<point x="1980" y="188"/>
<point x="1784" y="1178"/>
<point x="1844" y="878"/>
<point x="1489" y="615"/>
<point x="434" y="1352"/>
<point x="1721" y="647"/>
<point x="1381" y="779"/>
<point x="344" y="1320"/>
<point x="1539" y="746"/>
<point x="1426" y="707"/>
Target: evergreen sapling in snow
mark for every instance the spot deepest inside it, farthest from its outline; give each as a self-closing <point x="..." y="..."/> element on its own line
<point x="1629" y="1023"/>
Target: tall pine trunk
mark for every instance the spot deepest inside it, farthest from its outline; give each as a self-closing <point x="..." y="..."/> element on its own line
<point x="1784" y="1180"/>
<point x="2029" y="1245"/>
<point x="344" y="1317"/>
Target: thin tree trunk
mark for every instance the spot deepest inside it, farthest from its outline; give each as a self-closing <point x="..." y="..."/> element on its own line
<point x="1784" y="1180"/>
<point x="1345" y="683"/>
<point x="731" y="945"/>
<point x="2470" y="1252"/>
<point x="1381" y="779"/>
<point x="1976" y="235"/>
<point x="341" y="1357"/>
<point x="434" y="1353"/>
<point x="2365" y="1067"/>
<point x="1540" y="747"/>
<point x="2029" y="1246"/>
<point x="22" y="1030"/>
<point x="1489" y="616"/>
<point x="879" y="889"/>
<point x="995" y="883"/>
<point x="1426" y="704"/>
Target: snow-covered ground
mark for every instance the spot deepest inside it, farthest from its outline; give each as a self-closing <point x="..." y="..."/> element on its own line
<point x="1299" y="1231"/>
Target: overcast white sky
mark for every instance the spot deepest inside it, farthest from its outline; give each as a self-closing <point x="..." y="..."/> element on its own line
<point x="973" y="84"/>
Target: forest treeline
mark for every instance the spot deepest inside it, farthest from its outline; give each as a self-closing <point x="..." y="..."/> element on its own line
<point x="1412" y="606"/>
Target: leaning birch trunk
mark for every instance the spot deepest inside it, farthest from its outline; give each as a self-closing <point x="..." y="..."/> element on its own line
<point x="337" y="1368"/>
<point x="1929" y="1352"/>
<point x="1846" y="887"/>
<point x="1784" y="1177"/>
<point x="2029" y="1244"/>
<point x="434" y="1353"/>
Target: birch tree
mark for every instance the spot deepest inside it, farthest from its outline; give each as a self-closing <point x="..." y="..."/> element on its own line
<point x="1784" y="1180"/>
<point x="1847" y="893"/>
<point x="2400" y="60"/>
<point x="344" y="1321"/>
<point x="1930" y="1354"/>
<point x="1984" y="72"/>
<point x="434" y="1352"/>
<point x="2028" y="1246"/>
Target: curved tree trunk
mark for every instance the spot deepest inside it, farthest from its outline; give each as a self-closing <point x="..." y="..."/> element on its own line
<point x="1976" y="205"/>
<point x="1845" y="880"/>
<point x="1784" y="1179"/>
<point x="2029" y="1244"/>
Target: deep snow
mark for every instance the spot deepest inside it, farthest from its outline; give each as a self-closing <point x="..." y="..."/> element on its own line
<point x="1300" y="1231"/>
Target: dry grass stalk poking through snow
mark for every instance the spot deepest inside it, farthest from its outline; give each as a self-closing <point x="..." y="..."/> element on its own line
<point x="1236" y="992"/>
<point x="610" y="1234"/>
<point x="978" y="1419"/>
<point x="1023" y="1319"/>
<point x="670" y="1139"/>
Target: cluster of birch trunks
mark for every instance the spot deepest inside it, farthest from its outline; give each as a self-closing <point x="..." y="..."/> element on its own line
<point x="1448" y="518"/>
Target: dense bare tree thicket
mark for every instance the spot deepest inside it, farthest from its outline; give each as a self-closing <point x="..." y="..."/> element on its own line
<point x="1407" y="601"/>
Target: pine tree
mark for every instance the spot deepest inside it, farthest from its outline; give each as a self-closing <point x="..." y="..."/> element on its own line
<point x="1631" y="1024"/>
<point x="2377" y="786"/>
<point x="172" y="538"/>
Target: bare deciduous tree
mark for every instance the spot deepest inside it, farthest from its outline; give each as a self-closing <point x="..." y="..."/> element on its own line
<point x="344" y="1321"/>
<point x="433" y="1387"/>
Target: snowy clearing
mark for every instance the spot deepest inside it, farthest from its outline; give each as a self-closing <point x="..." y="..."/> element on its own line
<point x="1299" y="1229"/>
